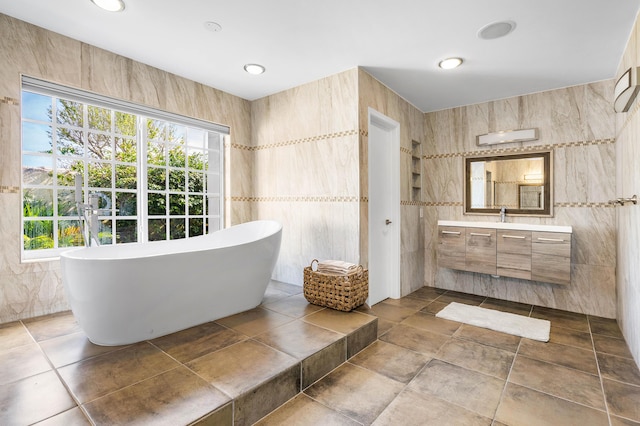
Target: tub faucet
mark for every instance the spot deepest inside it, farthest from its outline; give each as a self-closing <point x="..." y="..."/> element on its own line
<point x="503" y="214"/>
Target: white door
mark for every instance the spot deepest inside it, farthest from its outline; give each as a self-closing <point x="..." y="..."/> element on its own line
<point x="384" y="208"/>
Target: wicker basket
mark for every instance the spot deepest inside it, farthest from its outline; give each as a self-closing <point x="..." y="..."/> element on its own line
<point x="341" y="292"/>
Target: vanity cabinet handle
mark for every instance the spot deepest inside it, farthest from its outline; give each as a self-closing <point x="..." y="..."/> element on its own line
<point x="451" y="232"/>
<point x="475" y="234"/>
<point x="551" y="240"/>
<point x="515" y="237"/>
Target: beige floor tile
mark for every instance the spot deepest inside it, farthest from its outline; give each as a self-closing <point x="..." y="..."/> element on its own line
<point x="412" y="408"/>
<point x="103" y="374"/>
<point x="434" y="307"/>
<point x="338" y="321"/>
<point x="567" y="356"/>
<point x="564" y="319"/>
<point x="431" y="323"/>
<point x="393" y="361"/>
<point x="175" y="397"/>
<point x="54" y="325"/>
<point x="475" y="356"/>
<point x="72" y="348"/>
<point x="474" y="391"/>
<point x="391" y="312"/>
<point x="555" y="380"/>
<point x="619" y="421"/>
<point x="295" y="306"/>
<point x="507" y="342"/>
<point x="605" y="326"/>
<point x="303" y="411"/>
<point x="33" y="399"/>
<point x="356" y="392"/>
<point x="198" y="341"/>
<point x="415" y="339"/>
<point x="254" y="321"/>
<point x="299" y="339"/>
<point x="414" y="304"/>
<point x="467" y="299"/>
<point x="619" y="368"/>
<point x="384" y="326"/>
<point x="521" y="406"/>
<point x="73" y="417"/>
<point x="427" y="293"/>
<point x="241" y="367"/>
<point x="507" y="306"/>
<point x="20" y="362"/>
<point x="570" y="337"/>
<point x="611" y="345"/>
<point x="14" y="334"/>
<point x="623" y="399"/>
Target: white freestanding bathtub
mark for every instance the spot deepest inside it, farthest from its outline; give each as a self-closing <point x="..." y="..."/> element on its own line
<point x="133" y="292"/>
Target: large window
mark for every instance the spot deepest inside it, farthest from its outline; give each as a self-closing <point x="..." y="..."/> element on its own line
<point x="157" y="176"/>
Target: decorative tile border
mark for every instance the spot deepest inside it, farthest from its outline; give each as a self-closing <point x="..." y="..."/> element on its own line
<point x="521" y="149"/>
<point x="9" y="189"/>
<point x="297" y="141"/>
<point x="311" y="199"/>
<point x="590" y="205"/>
<point x="9" y="101"/>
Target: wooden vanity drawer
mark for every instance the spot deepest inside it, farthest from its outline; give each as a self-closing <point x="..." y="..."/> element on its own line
<point x="514" y="254"/>
<point x="551" y="257"/>
<point x="451" y="247"/>
<point x="481" y="250"/>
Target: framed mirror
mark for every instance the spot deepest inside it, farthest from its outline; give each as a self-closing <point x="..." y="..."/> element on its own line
<point x="522" y="183"/>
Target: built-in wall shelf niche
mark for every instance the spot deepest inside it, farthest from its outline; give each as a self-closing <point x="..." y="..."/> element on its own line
<point x="416" y="171"/>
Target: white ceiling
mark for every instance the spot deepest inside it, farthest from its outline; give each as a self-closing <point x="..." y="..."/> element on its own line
<point x="557" y="43"/>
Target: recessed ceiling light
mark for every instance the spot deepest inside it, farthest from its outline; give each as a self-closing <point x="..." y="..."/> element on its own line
<point x="110" y="5"/>
<point x="213" y="26"/>
<point x="254" y="69"/>
<point x="450" y="63"/>
<point x="496" y="30"/>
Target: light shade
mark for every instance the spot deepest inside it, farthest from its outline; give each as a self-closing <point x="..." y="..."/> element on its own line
<point x="255" y="69"/>
<point x="506" y="136"/>
<point x="450" y="63"/>
<point x="110" y="5"/>
<point x="626" y="90"/>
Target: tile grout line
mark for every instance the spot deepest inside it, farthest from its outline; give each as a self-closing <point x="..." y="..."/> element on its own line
<point x="595" y="354"/>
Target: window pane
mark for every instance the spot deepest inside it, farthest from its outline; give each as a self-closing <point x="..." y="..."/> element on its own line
<point x="176" y="205"/>
<point x="69" y="113"/>
<point x="126" y="203"/>
<point x="157" y="229"/>
<point x="67" y="169"/>
<point x="99" y="146"/>
<point x="213" y="225"/>
<point x="126" y="231"/>
<point x="126" y="123"/>
<point x="196" y="227"/>
<point x="156" y="153"/>
<point x="197" y="159"/>
<point x="37" y="170"/>
<point x="100" y="175"/>
<point x="175" y="133"/>
<point x="157" y="204"/>
<point x="196" y="203"/>
<point x="126" y="150"/>
<point x="176" y="180"/>
<point x="156" y="178"/>
<point x="36" y="107"/>
<point x="38" y="234"/>
<point x="177" y="229"/>
<point x="36" y="137"/>
<point x="70" y="233"/>
<point x="177" y="156"/>
<point x="126" y="177"/>
<point x="155" y="129"/>
<point x="69" y="142"/>
<point x="213" y="182"/>
<point x="67" y="203"/>
<point x="105" y="236"/>
<point x="213" y="206"/>
<point x="214" y="161"/>
<point x="196" y="181"/>
<point x="38" y="202"/>
<point x="195" y="137"/>
<point x="99" y="118"/>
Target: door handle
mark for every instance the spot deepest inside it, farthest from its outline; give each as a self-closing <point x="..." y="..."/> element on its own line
<point x="387" y="222"/>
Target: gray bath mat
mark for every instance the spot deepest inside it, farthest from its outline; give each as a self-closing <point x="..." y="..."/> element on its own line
<point x="518" y="325"/>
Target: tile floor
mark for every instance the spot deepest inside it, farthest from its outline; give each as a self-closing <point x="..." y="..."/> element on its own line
<point x="420" y="370"/>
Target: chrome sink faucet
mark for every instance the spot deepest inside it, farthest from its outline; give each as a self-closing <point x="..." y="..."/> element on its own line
<point x="503" y="214"/>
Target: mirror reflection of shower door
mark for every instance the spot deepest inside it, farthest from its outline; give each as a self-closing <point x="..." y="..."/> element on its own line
<point x="488" y="193"/>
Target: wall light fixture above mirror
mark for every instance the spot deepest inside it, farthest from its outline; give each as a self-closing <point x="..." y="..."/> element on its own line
<point x="506" y="136"/>
<point x="522" y="183"/>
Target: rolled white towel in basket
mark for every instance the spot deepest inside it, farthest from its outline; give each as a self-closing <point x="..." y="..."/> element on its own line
<point x="336" y="267"/>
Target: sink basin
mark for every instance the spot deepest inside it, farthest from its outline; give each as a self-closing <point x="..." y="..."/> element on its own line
<point x="507" y="225"/>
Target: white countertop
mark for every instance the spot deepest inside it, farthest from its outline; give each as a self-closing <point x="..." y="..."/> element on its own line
<point x="507" y="225"/>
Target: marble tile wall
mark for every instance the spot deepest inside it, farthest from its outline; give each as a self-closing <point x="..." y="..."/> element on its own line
<point x="578" y="125"/>
<point x="32" y="289"/>
<point x="628" y="184"/>
<point x="305" y="171"/>
<point x="373" y="94"/>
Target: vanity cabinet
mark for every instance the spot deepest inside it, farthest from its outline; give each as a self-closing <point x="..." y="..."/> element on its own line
<point x="551" y="257"/>
<point x="514" y="254"/>
<point x="529" y="252"/>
